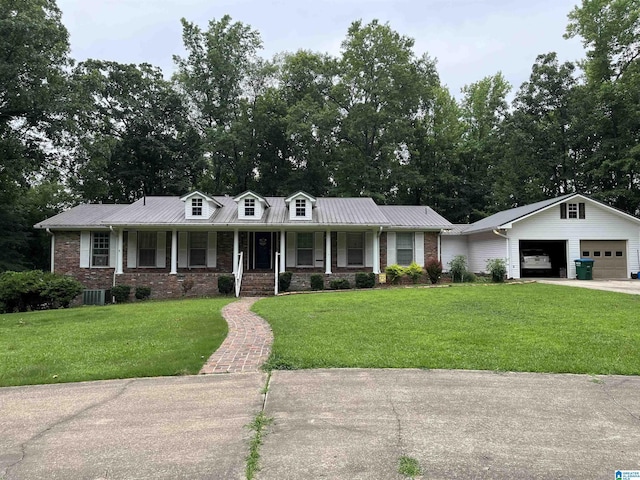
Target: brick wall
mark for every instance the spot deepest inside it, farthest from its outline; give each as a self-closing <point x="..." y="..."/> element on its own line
<point x="67" y="262"/>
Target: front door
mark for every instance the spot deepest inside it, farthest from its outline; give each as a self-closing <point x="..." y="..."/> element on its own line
<point x="263" y="250"/>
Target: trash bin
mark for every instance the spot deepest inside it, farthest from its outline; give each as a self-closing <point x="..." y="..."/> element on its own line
<point x="584" y="269"/>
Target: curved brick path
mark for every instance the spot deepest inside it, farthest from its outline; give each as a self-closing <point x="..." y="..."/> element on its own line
<point x="248" y="343"/>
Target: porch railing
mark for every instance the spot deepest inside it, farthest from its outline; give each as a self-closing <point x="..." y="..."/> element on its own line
<point x="239" y="271"/>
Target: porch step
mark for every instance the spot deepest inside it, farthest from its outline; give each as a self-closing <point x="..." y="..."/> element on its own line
<point x="257" y="284"/>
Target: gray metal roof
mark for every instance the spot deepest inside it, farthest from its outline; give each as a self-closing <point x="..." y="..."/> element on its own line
<point x="404" y="216"/>
<point x="456" y="229"/>
<point x="82" y="216"/>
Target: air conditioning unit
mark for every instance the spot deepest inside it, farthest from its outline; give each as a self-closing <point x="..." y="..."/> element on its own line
<point x="94" y="297"/>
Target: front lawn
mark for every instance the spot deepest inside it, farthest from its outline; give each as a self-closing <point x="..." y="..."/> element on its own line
<point x="117" y="341"/>
<point x="521" y="327"/>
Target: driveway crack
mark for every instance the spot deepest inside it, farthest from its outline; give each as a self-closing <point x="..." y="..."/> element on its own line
<point x="23" y="446"/>
<point x="618" y="404"/>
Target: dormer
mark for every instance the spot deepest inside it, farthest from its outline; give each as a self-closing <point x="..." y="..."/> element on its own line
<point x="198" y="206"/>
<point x="251" y="206"/>
<point x="300" y="206"/>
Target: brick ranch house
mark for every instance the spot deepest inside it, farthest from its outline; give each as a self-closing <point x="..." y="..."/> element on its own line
<point x="170" y="243"/>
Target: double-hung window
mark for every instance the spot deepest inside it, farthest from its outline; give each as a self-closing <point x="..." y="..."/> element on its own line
<point x="147" y="244"/>
<point x="100" y="249"/>
<point x="301" y="207"/>
<point x="198" y="249"/>
<point x="249" y="207"/>
<point x="355" y="249"/>
<point x="572" y="210"/>
<point x="404" y="248"/>
<point x="196" y="207"/>
<point x="304" y="254"/>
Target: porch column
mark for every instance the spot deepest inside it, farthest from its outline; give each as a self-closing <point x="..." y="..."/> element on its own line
<point x="236" y="250"/>
<point x="327" y="253"/>
<point x="53" y="251"/>
<point x="174" y="252"/>
<point x="120" y="252"/>
<point x="376" y="251"/>
<point x="283" y="251"/>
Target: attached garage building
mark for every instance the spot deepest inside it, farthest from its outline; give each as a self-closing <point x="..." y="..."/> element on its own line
<point x="545" y="238"/>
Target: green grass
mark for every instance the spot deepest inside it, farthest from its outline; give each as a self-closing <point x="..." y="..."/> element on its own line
<point x="521" y="327"/>
<point x="144" y="339"/>
<point x="409" y="467"/>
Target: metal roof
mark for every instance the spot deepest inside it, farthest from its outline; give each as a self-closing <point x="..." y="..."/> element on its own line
<point x="404" y="216"/>
<point x="81" y="216"/>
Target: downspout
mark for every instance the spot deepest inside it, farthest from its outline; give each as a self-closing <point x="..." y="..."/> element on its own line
<point x="508" y="252"/>
<point x="53" y="249"/>
<point x="440" y="246"/>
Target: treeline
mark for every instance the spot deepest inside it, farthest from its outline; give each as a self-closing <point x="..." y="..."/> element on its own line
<point x="374" y="121"/>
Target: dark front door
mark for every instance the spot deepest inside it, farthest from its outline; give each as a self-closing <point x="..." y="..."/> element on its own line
<point x="263" y="250"/>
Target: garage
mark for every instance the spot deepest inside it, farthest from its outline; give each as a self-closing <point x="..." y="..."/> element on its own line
<point x="543" y="258"/>
<point x="609" y="257"/>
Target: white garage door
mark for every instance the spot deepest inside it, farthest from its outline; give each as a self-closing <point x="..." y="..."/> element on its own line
<point x="609" y="257"/>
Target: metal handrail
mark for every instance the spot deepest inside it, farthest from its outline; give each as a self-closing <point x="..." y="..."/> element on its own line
<point x="239" y="272"/>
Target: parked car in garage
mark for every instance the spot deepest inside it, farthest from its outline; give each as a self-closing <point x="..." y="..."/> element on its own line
<point x="535" y="259"/>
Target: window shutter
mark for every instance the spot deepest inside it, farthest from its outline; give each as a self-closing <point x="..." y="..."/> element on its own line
<point x="581" y="213"/>
<point x="161" y="250"/>
<point x="85" y="249"/>
<point x="563" y="210"/>
<point x="342" y="249"/>
<point x="183" y="249"/>
<point x="212" y="249"/>
<point x="113" y="249"/>
<point x="368" y="249"/>
<point x="132" y="249"/>
<point x="318" y="249"/>
<point x="291" y="250"/>
<point x="418" y="249"/>
<point x="391" y="248"/>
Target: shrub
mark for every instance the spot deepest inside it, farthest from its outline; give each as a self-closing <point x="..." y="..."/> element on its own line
<point x="31" y="290"/>
<point x="284" y="281"/>
<point x="434" y="270"/>
<point x="60" y="290"/>
<point x="339" y="284"/>
<point x="413" y="271"/>
<point x="225" y="284"/>
<point x="143" y="293"/>
<point x="317" y="282"/>
<point x="394" y="273"/>
<point x="365" y="280"/>
<point x="121" y="293"/>
<point x="498" y="269"/>
<point x="458" y="268"/>
<point x="469" y="277"/>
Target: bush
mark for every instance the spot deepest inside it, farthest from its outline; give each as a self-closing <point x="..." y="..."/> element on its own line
<point x="284" y="281"/>
<point x="60" y="290"/>
<point x="394" y="273"/>
<point x="458" y="268"/>
<point x="32" y="290"/>
<point x="469" y="277"/>
<point x="434" y="270"/>
<point x="365" y="280"/>
<point x="413" y="271"/>
<point x="498" y="269"/>
<point x="143" y="293"/>
<point x="121" y="293"/>
<point x="317" y="282"/>
<point x="339" y="284"/>
<point x="225" y="284"/>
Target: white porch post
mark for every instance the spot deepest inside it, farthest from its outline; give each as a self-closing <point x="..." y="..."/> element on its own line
<point x="283" y="251"/>
<point x="236" y="250"/>
<point x="174" y="252"/>
<point x="327" y="253"/>
<point x="120" y="252"/>
<point x="376" y="251"/>
<point x="53" y="251"/>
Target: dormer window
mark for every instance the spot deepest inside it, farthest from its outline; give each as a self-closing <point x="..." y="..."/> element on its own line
<point x="301" y="207"/>
<point x="249" y="207"/>
<point x="196" y="207"/>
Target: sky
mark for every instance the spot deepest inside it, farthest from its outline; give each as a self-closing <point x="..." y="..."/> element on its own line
<point x="470" y="39"/>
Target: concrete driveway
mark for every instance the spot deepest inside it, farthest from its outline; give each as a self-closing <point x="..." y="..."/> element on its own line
<point x="621" y="286"/>
<point x="337" y="424"/>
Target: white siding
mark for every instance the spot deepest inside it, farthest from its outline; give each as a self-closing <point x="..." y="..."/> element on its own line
<point x="482" y="247"/>
<point x="452" y="246"/>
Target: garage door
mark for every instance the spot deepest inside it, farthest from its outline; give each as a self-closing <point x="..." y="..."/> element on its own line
<point x="610" y="257"/>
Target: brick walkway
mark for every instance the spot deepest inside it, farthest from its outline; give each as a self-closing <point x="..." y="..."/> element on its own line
<point x="248" y="343"/>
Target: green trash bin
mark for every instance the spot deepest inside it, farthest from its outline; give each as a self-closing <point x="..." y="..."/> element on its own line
<point x="584" y="269"/>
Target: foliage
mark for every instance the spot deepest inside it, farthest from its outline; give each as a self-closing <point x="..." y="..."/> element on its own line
<point x="394" y="273"/>
<point x="226" y="283"/>
<point x="187" y="285"/>
<point x="498" y="269"/>
<point x="141" y="339"/>
<point x="284" y="281"/>
<point x="142" y="293"/>
<point x="121" y="293"/>
<point x="339" y="284"/>
<point x="458" y="268"/>
<point x="414" y="272"/>
<point x="35" y="290"/>
<point x="365" y="280"/>
<point x="434" y="269"/>
<point x="317" y="281"/>
<point x="60" y="290"/>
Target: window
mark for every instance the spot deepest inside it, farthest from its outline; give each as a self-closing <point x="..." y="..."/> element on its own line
<point x="147" y="249"/>
<point x="301" y="207"/>
<point x="404" y="248"/>
<point x="198" y="249"/>
<point x="607" y="254"/>
<point x="573" y="210"/>
<point x="618" y="254"/>
<point x="585" y="253"/>
<point x="100" y="249"/>
<point x="355" y="249"/>
<point x="196" y="207"/>
<point x="249" y="207"/>
<point x="596" y="254"/>
<point x="305" y="250"/>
